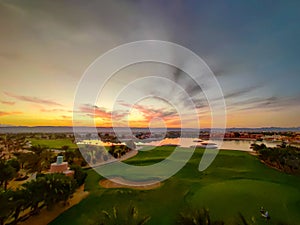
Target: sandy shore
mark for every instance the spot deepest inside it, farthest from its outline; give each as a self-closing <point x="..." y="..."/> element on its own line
<point x="121" y="183"/>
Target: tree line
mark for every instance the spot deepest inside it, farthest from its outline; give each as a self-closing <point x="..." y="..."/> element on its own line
<point x="94" y="154"/>
<point x="283" y="157"/>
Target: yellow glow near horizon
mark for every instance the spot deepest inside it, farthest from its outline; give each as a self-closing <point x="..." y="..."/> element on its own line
<point x="32" y="115"/>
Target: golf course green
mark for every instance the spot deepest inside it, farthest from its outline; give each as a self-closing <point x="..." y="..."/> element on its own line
<point x="236" y="182"/>
<point x="53" y="143"/>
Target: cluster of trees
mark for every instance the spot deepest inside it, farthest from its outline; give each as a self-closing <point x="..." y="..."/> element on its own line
<point x="73" y="157"/>
<point x="56" y="136"/>
<point x="45" y="191"/>
<point x="37" y="160"/>
<point x="40" y="158"/>
<point x="50" y="136"/>
<point x="8" y="171"/>
<point x="117" y="151"/>
<point x="79" y="174"/>
<point x="11" y="143"/>
<point x="285" y="158"/>
<point x="107" y="137"/>
<point x="94" y="154"/>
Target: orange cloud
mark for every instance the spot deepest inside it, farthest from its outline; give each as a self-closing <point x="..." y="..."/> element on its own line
<point x="9" y="113"/>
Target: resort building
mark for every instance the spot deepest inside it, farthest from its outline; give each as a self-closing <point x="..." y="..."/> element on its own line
<point x="61" y="167"/>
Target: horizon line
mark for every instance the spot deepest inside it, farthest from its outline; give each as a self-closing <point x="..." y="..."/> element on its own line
<point x="11" y="126"/>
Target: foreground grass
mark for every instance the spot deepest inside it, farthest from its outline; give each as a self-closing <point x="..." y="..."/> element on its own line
<point x="53" y="144"/>
<point x="235" y="182"/>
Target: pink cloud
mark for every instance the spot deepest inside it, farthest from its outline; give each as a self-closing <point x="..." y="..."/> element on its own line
<point x="98" y="112"/>
<point x="33" y="99"/>
<point x="150" y="113"/>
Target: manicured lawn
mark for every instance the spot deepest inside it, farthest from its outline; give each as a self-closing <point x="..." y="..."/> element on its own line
<point x="55" y="144"/>
<point x="235" y="182"/>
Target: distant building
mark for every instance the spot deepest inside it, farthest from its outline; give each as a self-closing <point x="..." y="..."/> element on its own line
<point x="61" y="167"/>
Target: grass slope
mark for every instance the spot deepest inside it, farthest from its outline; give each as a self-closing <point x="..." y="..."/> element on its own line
<point x="235" y="182"/>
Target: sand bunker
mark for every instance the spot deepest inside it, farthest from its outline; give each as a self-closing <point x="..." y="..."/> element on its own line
<point x="117" y="182"/>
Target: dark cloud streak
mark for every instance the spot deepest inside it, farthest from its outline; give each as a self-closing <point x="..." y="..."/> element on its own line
<point x="8" y="102"/>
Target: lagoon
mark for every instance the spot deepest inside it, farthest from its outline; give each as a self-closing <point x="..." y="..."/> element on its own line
<point x="241" y="145"/>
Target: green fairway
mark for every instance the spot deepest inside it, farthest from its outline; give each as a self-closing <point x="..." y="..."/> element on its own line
<point x="53" y="144"/>
<point x="235" y="182"/>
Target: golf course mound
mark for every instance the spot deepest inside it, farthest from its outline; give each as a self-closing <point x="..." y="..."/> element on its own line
<point x="119" y="182"/>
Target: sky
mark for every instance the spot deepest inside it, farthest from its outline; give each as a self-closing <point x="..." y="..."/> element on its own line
<point x="252" y="48"/>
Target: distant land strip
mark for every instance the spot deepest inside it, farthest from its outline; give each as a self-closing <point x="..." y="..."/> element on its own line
<point x="69" y="129"/>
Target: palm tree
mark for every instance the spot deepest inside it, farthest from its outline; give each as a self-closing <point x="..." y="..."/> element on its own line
<point x="39" y="160"/>
<point x="197" y="217"/>
<point x="22" y="158"/>
<point x="15" y="164"/>
<point x="7" y="173"/>
<point x="49" y="189"/>
<point x="6" y="206"/>
<point x="79" y="174"/>
<point x="12" y="143"/>
<point x="131" y="217"/>
<point x="35" y="191"/>
<point x="58" y="188"/>
<point x="21" y="202"/>
<point x="243" y="220"/>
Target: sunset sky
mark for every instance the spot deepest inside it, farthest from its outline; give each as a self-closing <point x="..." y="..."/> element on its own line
<point x="252" y="47"/>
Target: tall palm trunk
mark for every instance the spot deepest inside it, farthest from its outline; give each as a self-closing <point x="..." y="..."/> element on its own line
<point x="5" y="185"/>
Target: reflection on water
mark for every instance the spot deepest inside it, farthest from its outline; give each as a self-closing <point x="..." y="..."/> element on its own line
<point x="228" y="144"/>
<point x="242" y="145"/>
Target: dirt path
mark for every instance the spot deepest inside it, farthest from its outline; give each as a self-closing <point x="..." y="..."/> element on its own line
<point x="119" y="183"/>
<point x="46" y="216"/>
<point x="253" y="153"/>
